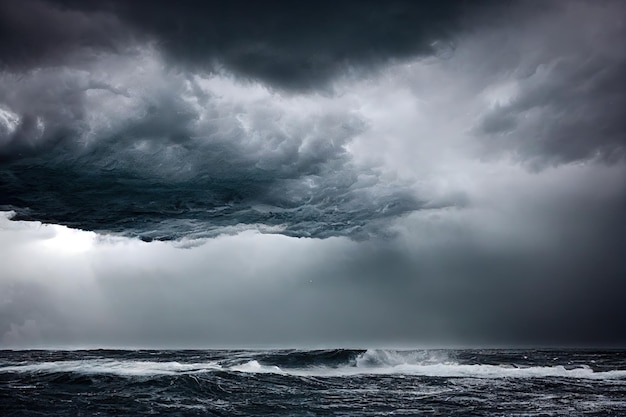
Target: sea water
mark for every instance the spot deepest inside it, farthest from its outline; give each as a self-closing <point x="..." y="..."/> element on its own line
<point x="336" y="382"/>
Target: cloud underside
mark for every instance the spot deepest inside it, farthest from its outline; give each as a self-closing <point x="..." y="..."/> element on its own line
<point x="180" y="155"/>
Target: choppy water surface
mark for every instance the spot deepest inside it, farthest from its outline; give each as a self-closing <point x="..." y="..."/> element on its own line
<point x="313" y="383"/>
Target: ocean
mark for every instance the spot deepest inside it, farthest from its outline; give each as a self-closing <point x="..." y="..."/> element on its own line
<point x="340" y="382"/>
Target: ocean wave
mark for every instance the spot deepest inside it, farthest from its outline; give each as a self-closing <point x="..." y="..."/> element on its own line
<point x="332" y="363"/>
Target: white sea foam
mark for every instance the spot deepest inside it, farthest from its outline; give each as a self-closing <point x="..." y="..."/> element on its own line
<point x="115" y="367"/>
<point x="431" y="364"/>
<point x="444" y="370"/>
<point x="256" y="367"/>
<point x="373" y="358"/>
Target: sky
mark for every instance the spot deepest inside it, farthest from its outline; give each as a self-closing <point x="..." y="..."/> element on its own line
<point x="209" y="174"/>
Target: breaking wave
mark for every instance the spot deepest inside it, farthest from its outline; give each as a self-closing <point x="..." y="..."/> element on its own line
<point x="328" y="363"/>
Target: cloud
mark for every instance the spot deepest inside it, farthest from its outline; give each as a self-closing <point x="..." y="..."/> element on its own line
<point x="161" y="150"/>
<point x="558" y="87"/>
<point x="469" y="191"/>
<point x="40" y="33"/>
<point x="295" y="47"/>
<point x="162" y="154"/>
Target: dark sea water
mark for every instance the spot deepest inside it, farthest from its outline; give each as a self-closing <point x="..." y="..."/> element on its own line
<point x="313" y="383"/>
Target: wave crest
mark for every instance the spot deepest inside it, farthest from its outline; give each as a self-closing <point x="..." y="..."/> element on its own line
<point x="375" y="358"/>
<point x="329" y="363"/>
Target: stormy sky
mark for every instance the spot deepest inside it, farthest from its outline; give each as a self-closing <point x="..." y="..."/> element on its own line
<point x="306" y="174"/>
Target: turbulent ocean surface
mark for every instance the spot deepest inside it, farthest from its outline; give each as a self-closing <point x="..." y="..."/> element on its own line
<point x="313" y="383"/>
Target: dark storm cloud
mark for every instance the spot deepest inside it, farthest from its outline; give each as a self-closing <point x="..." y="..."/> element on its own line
<point x="297" y="45"/>
<point x="172" y="119"/>
<point x="293" y="45"/>
<point x="37" y="32"/>
<point x="141" y="147"/>
<point x="68" y="157"/>
<point x="161" y="155"/>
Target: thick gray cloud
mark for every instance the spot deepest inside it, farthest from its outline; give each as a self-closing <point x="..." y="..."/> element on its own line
<point x="71" y="110"/>
<point x="289" y="45"/>
<point x="160" y="148"/>
<point x="38" y="32"/>
<point x="164" y="154"/>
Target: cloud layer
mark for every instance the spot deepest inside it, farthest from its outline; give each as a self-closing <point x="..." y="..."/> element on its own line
<point x="114" y="126"/>
<point x="288" y="45"/>
<point x="462" y="163"/>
